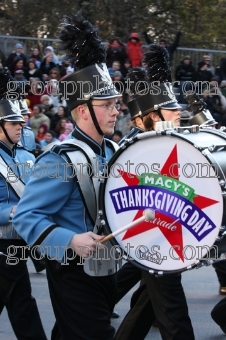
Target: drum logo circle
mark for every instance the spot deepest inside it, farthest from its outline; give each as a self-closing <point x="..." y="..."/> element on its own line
<point x="188" y="211"/>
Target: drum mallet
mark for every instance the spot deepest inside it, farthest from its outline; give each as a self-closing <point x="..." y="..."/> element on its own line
<point x="148" y="216"/>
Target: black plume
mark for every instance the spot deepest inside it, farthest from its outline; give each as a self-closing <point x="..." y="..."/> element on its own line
<point x="158" y="64"/>
<point x="135" y="75"/>
<point x="195" y="104"/>
<point x="80" y="41"/>
<point x="7" y="83"/>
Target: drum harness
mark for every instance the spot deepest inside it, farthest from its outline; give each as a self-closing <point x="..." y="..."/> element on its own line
<point x="97" y="264"/>
<point x="7" y="231"/>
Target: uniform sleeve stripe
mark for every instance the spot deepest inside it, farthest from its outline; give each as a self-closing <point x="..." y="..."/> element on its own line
<point x="44" y="235"/>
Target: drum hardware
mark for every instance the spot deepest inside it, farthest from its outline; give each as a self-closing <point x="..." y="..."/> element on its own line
<point x="159" y="273"/>
<point x="216" y="147"/>
<point x="202" y="263"/>
<point x="222" y="183"/>
<point x="188" y="129"/>
<point x="223" y="193"/>
<point x="205" y="151"/>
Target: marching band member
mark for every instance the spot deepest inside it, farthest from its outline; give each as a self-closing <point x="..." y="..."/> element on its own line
<point x="62" y="222"/>
<point x="160" y="297"/>
<point x="15" y="165"/>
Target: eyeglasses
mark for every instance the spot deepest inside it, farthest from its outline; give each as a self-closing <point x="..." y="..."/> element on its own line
<point x="110" y="107"/>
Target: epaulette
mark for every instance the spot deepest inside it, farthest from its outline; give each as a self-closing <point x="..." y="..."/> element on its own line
<point x="112" y="145"/>
<point x="62" y="148"/>
<point x="27" y="127"/>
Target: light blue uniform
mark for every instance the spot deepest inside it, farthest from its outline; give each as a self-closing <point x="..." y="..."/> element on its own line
<point x="13" y="157"/>
<point x="27" y="138"/>
<point x="57" y="212"/>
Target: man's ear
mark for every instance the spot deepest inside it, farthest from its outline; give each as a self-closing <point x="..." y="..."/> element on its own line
<point x="83" y="112"/>
<point x="154" y="116"/>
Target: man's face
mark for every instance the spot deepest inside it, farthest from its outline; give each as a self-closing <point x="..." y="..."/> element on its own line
<point x="13" y="130"/>
<point x="172" y="115"/>
<point x="19" y="50"/>
<point x="48" y="137"/>
<point x="106" y="114"/>
<point x="116" y="66"/>
<point x="35" y="110"/>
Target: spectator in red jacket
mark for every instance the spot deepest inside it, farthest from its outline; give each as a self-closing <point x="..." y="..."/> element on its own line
<point x="134" y="49"/>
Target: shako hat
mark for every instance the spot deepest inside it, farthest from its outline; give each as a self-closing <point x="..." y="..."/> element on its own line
<point x="23" y="107"/>
<point x="91" y="80"/>
<point x="157" y="92"/>
<point x="134" y="109"/>
<point x="9" y="108"/>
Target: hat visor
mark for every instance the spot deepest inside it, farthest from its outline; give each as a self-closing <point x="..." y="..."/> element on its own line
<point x="209" y="123"/>
<point x="170" y="106"/>
<point x="13" y="119"/>
<point x="26" y="112"/>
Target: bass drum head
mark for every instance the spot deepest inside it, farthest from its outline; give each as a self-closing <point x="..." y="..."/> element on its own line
<point x="168" y="175"/>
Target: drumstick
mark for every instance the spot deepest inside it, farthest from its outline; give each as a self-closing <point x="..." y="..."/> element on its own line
<point x="148" y="215"/>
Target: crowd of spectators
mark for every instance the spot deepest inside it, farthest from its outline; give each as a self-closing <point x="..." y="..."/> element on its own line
<point x="38" y="75"/>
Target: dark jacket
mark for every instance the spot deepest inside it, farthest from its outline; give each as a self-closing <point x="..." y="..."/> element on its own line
<point x="170" y="48"/>
<point x="116" y="53"/>
<point x="12" y="57"/>
<point x="184" y="72"/>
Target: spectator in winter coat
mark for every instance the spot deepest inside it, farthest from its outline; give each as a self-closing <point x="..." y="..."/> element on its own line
<point x="183" y="76"/>
<point x="116" y="51"/>
<point x="38" y="119"/>
<point x="170" y="48"/>
<point x="18" y="54"/>
<point x="134" y="49"/>
<point x="49" y="49"/>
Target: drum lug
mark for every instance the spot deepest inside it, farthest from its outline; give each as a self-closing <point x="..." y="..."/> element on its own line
<point x="223" y="193"/>
<point x="188" y="129"/>
<point x="102" y="222"/>
<point x="100" y="212"/>
<point x="222" y="183"/>
<point x="205" y="152"/>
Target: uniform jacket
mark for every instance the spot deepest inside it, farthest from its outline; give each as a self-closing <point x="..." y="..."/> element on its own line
<point x="28" y="138"/>
<point x="8" y="197"/>
<point x="57" y="212"/>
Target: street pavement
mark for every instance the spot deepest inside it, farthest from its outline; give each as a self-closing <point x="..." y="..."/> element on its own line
<point x="201" y="289"/>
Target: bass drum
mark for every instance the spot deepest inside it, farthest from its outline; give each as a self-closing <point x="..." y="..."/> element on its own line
<point x="181" y="176"/>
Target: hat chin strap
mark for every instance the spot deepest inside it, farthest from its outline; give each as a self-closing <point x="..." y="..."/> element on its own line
<point x="160" y="114"/>
<point x="5" y="132"/>
<point x="94" y="119"/>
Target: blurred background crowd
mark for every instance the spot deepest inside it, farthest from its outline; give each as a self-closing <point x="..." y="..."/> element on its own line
<point x="39" y="71"/>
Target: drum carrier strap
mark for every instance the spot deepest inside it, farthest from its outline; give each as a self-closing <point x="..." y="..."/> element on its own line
<point x="89" y="188"/>
<point x="7" y="231"/>
<point x="97" y="264"/>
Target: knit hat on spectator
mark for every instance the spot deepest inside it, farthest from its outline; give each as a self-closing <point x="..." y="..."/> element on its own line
<point x="117" y="74"/>
<point x="18" y="45"/>
<point x="44" y="97"/>
<point x="201" y="64"/>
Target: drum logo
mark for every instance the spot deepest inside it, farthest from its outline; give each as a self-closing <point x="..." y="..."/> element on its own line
<point x="176" y="205"/>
